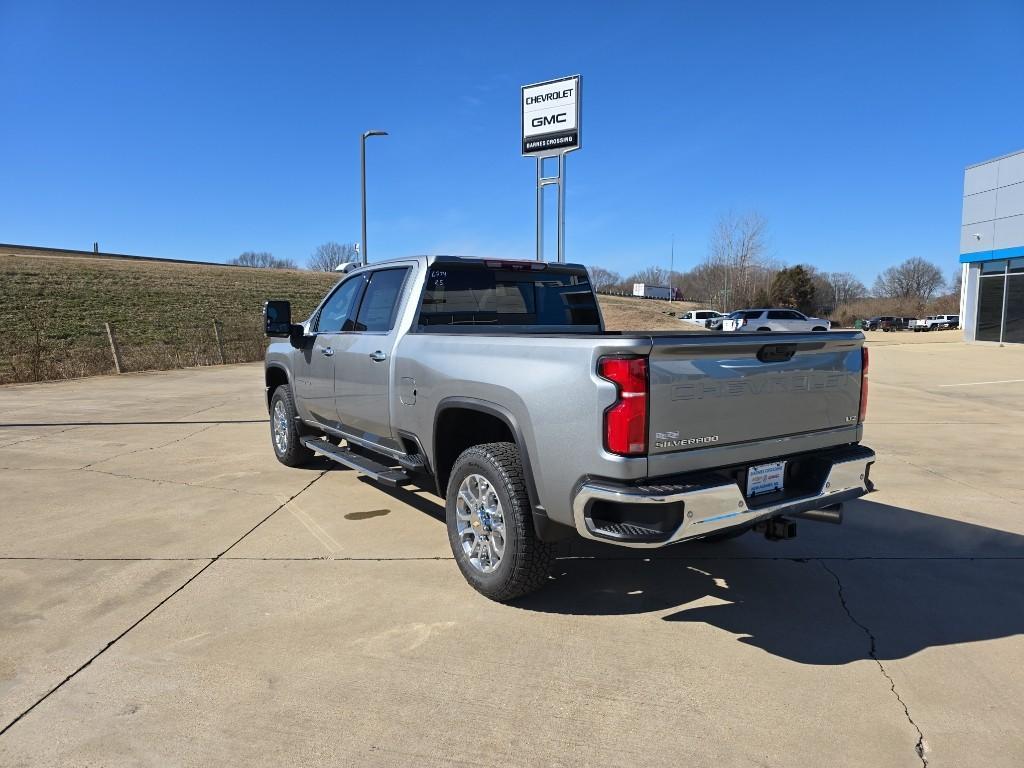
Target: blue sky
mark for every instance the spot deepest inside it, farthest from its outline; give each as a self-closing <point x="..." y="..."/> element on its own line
<point x="201" y="130"/>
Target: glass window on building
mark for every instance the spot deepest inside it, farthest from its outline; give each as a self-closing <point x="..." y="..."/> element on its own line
<point x="1013" y="330"/>
<point x="990" y="308"/>
<point x="1001" y="302"/>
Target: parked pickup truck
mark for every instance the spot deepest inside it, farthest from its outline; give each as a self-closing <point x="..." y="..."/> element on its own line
<point x="936" y="323"/>
<point x="494" y="384"/>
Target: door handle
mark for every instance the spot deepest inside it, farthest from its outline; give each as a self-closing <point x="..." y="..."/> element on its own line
<point x="378" y="356"/>
<point x="326" y="351"/>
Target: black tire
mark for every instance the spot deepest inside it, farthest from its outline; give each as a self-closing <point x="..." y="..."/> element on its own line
<point x="769" y="330"/>
<point x="526" y="561"/>
<point x="818" y="328"/>
<point x="291" y="452"/>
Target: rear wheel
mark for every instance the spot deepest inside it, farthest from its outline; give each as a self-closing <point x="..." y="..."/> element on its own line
<point x="490" y="524"/>
<point x="285" y="430"/>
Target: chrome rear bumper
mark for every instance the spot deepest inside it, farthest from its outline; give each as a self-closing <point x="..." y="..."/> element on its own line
<point x="705" y="509"/>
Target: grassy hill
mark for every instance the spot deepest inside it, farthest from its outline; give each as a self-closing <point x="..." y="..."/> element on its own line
<point x="623" y="313"/>
<point x="53" y="310"/>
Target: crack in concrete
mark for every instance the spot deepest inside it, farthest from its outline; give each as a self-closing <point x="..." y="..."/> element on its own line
<point x="40" y="437"/>
<point x="149" y="448"/>
<point x="103" y="559"/>
<point x="156" y="607"/>
<point x="919" y="747"/>
<point x="204" y="410"/>
<point x="175" y="482"/>
<point x="956" y="480"/>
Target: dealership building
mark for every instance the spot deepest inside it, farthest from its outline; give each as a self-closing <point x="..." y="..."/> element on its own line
<point x="992" y="251"/>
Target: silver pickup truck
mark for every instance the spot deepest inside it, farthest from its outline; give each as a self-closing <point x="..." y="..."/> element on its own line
<point x="495" y="384"/>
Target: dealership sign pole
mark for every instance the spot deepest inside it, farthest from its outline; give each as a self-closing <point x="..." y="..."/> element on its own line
<point x="550" y="114"/>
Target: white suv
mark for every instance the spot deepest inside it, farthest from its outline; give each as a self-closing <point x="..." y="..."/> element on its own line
<point x="705" y="317"/>
<point x="773" y="320"/>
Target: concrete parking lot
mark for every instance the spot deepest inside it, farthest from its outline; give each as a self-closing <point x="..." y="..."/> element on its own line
<point x="170" y="595"/>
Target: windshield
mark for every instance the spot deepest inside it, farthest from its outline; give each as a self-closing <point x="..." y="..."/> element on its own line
<point x="507" y="293"/>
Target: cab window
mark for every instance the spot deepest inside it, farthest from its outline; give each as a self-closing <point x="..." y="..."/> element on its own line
<point x="380" y="302"/>
<point x="337" y="315"/>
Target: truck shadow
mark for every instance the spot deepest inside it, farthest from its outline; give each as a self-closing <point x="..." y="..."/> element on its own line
<point x="892" y="577"/>
<point x="904" y="579"/>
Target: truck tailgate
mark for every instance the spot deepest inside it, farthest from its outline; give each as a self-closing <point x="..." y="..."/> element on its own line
<point x="720" y="390"/>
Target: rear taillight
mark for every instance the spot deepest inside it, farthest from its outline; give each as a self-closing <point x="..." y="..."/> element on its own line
<point x="625" y="422"/>
<point x="863" y="384"/>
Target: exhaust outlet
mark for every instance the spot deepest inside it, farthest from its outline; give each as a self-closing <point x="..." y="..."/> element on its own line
<point x="833" y="514"/>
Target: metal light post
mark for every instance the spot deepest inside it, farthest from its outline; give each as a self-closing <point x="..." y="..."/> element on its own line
<point x="362" y="160"/>
<point x="672" y="271"/>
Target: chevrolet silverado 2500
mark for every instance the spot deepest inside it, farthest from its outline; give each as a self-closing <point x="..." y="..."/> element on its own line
<point x="494" y="384"/>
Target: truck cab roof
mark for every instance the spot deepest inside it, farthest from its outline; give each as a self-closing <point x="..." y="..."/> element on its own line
<point x="487" y="261"/>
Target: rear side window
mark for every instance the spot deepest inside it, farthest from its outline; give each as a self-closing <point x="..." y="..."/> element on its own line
<point x="506" y="294"/>
<point x="380" y="302"/>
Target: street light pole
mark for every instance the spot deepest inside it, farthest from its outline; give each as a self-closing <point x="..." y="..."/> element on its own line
<point x="671" y="270"/>
<point x="362" y="162"/>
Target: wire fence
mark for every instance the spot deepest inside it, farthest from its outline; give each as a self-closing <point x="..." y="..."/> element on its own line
<point x="47" y="349"/>
<point x="112" y="349"/>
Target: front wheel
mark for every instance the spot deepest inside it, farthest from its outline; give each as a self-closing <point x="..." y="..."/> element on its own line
<point x="490" y="524"/>
<point x="284" y="430"/>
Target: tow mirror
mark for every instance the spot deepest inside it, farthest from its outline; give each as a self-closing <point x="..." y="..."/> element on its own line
<point x="277" y="318"/>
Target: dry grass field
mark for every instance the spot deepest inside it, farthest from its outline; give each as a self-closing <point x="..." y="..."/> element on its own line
<point x="53" y="310"/>
<point x="622" y="313"/>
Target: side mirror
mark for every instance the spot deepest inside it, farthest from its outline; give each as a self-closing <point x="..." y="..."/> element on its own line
<point x="277" y="318"/>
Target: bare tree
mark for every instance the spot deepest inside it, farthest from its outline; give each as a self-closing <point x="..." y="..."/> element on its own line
<point x="956" y="283"/>
<point x="650" y="276"/>
<point x="603" y="279"/>
<point x="834" y="288"/>
<point x="824" y="296"/>
<point x="915" y="279"/>
<point x="263" y="260"/>
<point x="738" y="249"/>
<point x="846" y="287"/>
<point x="329" y="255"/>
